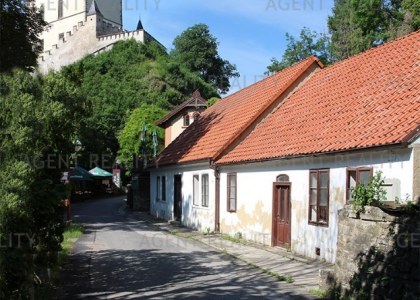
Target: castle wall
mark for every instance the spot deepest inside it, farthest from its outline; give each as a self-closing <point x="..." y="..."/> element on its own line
<point x="82" y="42"/>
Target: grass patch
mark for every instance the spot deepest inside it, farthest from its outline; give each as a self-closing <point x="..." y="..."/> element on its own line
<point x="318" y="293"/>
<point x="72" y="232"/>
<point x="231" y="238"/>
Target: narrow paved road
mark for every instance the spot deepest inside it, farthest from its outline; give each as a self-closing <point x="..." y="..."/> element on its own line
<point x="120" y="257"/>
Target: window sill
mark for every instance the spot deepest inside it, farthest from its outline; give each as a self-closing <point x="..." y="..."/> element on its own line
<point x="200" y="207"/>
<point x="318" y="224"/>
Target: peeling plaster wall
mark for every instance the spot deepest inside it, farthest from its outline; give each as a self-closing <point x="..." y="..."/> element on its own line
<point x="255" y="187"/>
<point x="197" y="217"/>
<point x="416" y="170"/>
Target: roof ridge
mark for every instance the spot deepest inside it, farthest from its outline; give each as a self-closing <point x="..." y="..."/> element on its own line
<point x="306" y="63"/>
<point x="313" y="57"/>
<point x="374" y="48"/>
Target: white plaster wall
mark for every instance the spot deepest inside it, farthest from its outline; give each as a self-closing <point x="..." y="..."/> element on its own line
<point x="255" y="187"/>
<point x="177" y="125"/>
<point x="197" y="217"/>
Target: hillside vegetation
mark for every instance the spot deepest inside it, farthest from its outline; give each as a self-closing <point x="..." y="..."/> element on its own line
<point x="116" y="82"/>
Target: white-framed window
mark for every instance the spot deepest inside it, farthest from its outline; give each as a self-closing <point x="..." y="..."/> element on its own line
<point x="205" y="190"/>
<point x="196" y="190"/>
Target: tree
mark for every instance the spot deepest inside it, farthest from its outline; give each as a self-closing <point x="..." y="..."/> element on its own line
<point x="212" y="101"/>
<point x="357" y="25"/>
<point x="20" y="25"/>
<point x="116" y="82"/>
<point x="129" y="137"/>
<point x="196" y="48"/>
<point x="309" y="43"/>
<point x="36" y="129"/>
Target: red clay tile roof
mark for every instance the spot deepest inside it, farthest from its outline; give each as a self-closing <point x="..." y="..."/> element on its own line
<point x="221" y="123"/>
<point x="195" y="100"/>
<point x="369" y="100"/>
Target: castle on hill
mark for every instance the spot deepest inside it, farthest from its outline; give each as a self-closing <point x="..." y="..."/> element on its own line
<point x="77" y="28"/>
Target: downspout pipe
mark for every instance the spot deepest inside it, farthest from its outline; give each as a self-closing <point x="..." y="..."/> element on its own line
<point x="217" y="197"/>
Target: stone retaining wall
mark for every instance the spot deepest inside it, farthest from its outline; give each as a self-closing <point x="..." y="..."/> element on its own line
<point x="378" y="255"/>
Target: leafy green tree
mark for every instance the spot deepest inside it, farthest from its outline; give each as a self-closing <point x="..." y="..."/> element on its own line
<point x="212" y="101"/>
<point x="129" y="137"/>
<point x="196" y="48"/>
<point x="309" y="43"/>
<point x="115" y="82"/>
<point x="357" y="25"/>
<point x="20" y="25"/>
<point x="36" y="128"/>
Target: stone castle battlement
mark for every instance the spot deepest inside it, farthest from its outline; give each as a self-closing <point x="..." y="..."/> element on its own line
<point x="90" y="35"/>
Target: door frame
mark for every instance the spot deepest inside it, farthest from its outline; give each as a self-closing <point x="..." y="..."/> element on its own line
<point x="274" y="218"/>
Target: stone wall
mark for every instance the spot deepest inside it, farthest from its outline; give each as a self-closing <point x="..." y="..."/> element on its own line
<point x="378" y="255"/>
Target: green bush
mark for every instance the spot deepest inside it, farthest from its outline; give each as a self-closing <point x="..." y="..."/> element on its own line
<point x="370" y="194"/>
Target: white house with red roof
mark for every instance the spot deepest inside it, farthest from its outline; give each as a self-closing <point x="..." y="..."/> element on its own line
<point x="280" y="157"/>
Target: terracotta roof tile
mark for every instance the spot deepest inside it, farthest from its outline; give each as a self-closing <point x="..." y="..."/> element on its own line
<point x="221" y="123"/>
<point x="369" y="100"/>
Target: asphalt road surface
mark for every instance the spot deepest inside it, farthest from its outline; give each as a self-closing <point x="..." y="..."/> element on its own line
<point x="120" y="257"/>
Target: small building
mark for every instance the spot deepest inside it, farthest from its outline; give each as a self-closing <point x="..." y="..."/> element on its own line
<point x="182" y="116"/>
<point x="277" y="160"/>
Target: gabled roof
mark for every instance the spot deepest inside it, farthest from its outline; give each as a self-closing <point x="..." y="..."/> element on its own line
<point x="369" y="100"/>
<point x="195" y="101"/>
<point x="221" y="124"/>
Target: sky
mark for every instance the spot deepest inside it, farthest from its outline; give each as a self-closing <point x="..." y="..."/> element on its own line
<point x="249" y="32"/>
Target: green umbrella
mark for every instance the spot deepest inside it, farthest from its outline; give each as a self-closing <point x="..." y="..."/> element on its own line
<point x="80" y="174"/>
<point x="98" y="172"/>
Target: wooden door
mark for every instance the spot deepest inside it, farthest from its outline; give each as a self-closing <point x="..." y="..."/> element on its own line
<point x="178" y="197"/>
<point x="281" y="215"/>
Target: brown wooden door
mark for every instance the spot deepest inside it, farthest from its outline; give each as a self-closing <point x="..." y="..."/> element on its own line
<point x="281" y="215"/>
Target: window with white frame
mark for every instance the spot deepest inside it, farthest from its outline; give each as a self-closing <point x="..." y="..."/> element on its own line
<point x="205" y="190"/>
<point x="196" y="190"/>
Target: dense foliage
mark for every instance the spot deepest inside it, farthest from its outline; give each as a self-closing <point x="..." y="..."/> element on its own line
<point x="196" y="48"/>
<point x="20" y="25"/>
<point x="116" y="82"/>
<point x="36" y="129"/>
<point x="357" y="25"/>
<point x="129" y="138"/>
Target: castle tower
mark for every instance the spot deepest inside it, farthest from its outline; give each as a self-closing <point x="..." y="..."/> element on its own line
<point x="77" y="28"/>
<point x="63" y="16"/>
